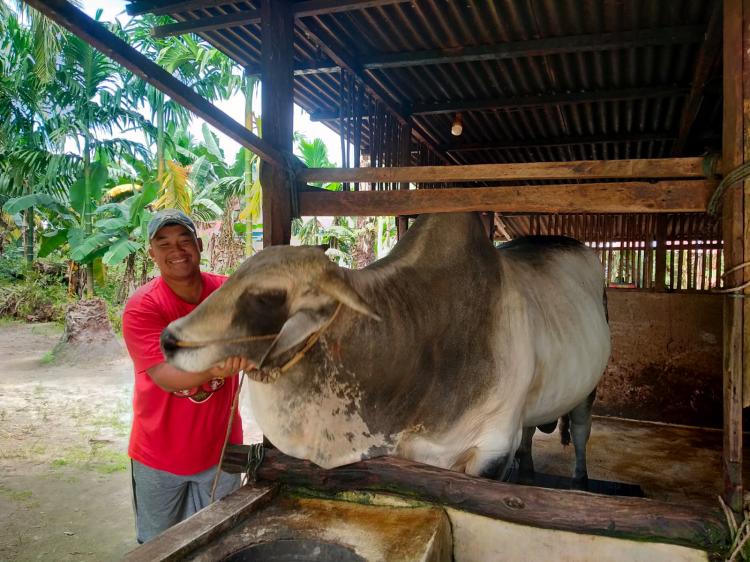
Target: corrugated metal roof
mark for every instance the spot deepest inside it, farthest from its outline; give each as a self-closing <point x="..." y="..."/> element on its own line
<point x="657" y="75"/>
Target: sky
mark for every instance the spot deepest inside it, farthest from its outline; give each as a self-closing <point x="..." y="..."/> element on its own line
<point x="234" y="107"/>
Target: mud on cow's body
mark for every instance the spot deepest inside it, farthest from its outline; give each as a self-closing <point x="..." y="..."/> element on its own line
<point x="441" y="352"/>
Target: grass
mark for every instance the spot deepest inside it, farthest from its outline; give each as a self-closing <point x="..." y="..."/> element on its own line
<point x="97" y="457"/>
<point x="47" y="358"/>
<point x="19" y="496"/>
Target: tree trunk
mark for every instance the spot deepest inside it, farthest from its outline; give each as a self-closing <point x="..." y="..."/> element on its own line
<point x="363" y="253"/>
<point x="247" y="176"/>
<point x="128" y="279"/>
<point x="88" y="334"/>
<point x="28" y="235"/>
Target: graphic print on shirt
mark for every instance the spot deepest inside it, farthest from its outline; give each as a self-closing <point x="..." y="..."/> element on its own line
<point x="200" y="393"/>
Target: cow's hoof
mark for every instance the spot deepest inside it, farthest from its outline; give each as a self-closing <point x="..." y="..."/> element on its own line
<point x="526" y="477"/>
<point x="581" y="483"/>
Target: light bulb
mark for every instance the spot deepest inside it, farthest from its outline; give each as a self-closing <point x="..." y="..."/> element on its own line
<point x="458" y="126"/>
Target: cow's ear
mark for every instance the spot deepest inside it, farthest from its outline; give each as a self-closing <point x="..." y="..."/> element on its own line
<point x="295" y="330"/>
<point x="336" y="287"/>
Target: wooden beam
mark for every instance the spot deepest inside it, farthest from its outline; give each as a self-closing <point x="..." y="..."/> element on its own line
<point x="556" y="141"/>
<point x="248" y="17"/>
<point x="277" y="108"/>
<point x="735" y="148"/>
<point x="74" y="20"/>
<point x="538" y="47"/>
<point x="519" y="49"/>
<point x="201" y="25"/>
<point x="177" y="542"/>
<point x="581" y="169"/>
<point x="525" y="102"/>
<point x="394" y="106"/>
<point x="159" y="8"/>
<point x="707" y="57"/>
<point x="564" y="510"/>
<point x="689" y="196"/>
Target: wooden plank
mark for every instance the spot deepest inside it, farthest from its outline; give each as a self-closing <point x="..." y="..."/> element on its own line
<point x="191" y="534"/>
<point x="735" y="72"/>
<point x="300" y="9"/>
<point x="580" y="512"/>
<point x="581" y="169"/>
<point x="538" y="47"/>
<point x="94" y="33"/>
<point x="203" y="24"/>
<point x="709" y="53"/>
<point x="554" y="142"/>
<point x="158" y="7"/>
<point x="541" y="101"/>
<point x="628" y="197"/>
<point x="277" y="106"/>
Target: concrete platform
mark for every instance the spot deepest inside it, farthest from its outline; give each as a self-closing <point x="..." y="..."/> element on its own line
<point x="670" y="463"/>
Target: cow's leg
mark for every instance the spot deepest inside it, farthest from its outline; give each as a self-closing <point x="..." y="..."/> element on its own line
<point x="494" y="457"/>
<point x="580" y="429"/>
<point x="523" y="455"/>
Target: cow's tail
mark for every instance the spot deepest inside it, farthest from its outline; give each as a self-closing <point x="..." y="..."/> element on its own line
<point x="604" y="302"/>
<point x="565" y="429"/>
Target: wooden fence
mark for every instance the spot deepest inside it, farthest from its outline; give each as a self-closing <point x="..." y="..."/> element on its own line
<point x="673" y="252"/>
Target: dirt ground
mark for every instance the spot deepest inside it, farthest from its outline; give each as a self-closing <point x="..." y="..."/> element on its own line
<point x="64" y="471"/>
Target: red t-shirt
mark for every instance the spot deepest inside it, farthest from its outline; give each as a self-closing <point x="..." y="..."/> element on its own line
<point x="182" y="434"/>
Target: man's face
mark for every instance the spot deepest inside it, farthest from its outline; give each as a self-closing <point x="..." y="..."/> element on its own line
<point x="175" y="252"/>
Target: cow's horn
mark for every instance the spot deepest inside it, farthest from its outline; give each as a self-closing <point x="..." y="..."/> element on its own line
<point x="335" y="287"/>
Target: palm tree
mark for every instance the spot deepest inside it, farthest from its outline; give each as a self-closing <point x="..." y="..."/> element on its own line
<point x="30" y="159"/>
<point x="95" y="104"/>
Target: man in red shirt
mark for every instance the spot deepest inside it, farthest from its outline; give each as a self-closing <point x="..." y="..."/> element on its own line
<point x="179" y="418"/>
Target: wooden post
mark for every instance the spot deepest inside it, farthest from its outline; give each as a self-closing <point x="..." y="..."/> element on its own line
<point x="736" y="149"/>
<point x="402" y="222"/>
<point x="277" y="89"/>
<point x="661" y="253"/>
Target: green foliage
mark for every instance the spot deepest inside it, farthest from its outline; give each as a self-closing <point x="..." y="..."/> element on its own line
<point x="37" y="298"/>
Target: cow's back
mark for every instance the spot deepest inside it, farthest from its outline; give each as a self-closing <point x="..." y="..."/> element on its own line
<point x="553" y="290"/>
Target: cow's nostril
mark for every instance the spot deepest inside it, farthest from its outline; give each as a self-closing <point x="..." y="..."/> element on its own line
<point x="168" y="342"/>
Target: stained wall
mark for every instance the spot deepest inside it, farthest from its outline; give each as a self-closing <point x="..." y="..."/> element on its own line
<point x="666" y="358"/>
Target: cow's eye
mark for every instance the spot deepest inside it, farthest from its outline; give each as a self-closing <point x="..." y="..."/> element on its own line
<point x="271" y="298"/>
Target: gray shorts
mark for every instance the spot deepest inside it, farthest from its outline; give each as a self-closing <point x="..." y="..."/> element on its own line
<point x="162" y="499"/>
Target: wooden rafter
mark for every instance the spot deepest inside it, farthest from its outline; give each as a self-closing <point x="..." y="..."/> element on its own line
<point x="74" y="20"/>
<point x="545" y="100"/>
<point x="582" y="169"/>
<point x="518" y="49"/>
<point x="556" y="141"/>
<point x="159" y="8"/>
<point x="201" y="25"/>
<point x="674" y="196"/>
<point x="529" y="101"/>
<point x="707" y="57"/>
<point x="247" y="17"/>
<point x="375" y="89"/>
<point x="538" y="47"/>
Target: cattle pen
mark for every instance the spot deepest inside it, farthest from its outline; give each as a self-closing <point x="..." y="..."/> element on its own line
<point x="625" y="125"/>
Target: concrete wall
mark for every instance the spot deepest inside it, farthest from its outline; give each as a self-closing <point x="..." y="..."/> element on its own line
<point x="666" y="358"/>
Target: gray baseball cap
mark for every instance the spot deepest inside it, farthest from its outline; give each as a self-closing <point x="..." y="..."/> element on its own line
<point x="166" y="217"/>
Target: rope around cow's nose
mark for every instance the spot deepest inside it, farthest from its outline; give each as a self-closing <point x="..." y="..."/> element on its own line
<point x="272" y="376"/>
<point x="182" y="343"/>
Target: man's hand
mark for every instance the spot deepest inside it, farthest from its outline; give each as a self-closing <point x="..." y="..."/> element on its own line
<point x="229" y="367"/>
<point x="171" y="378"/>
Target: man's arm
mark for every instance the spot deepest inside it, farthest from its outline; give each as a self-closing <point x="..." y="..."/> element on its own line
<point x="171" y="378"/>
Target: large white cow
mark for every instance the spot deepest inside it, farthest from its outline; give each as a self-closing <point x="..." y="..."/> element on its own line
<point x="441" y="352"/>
